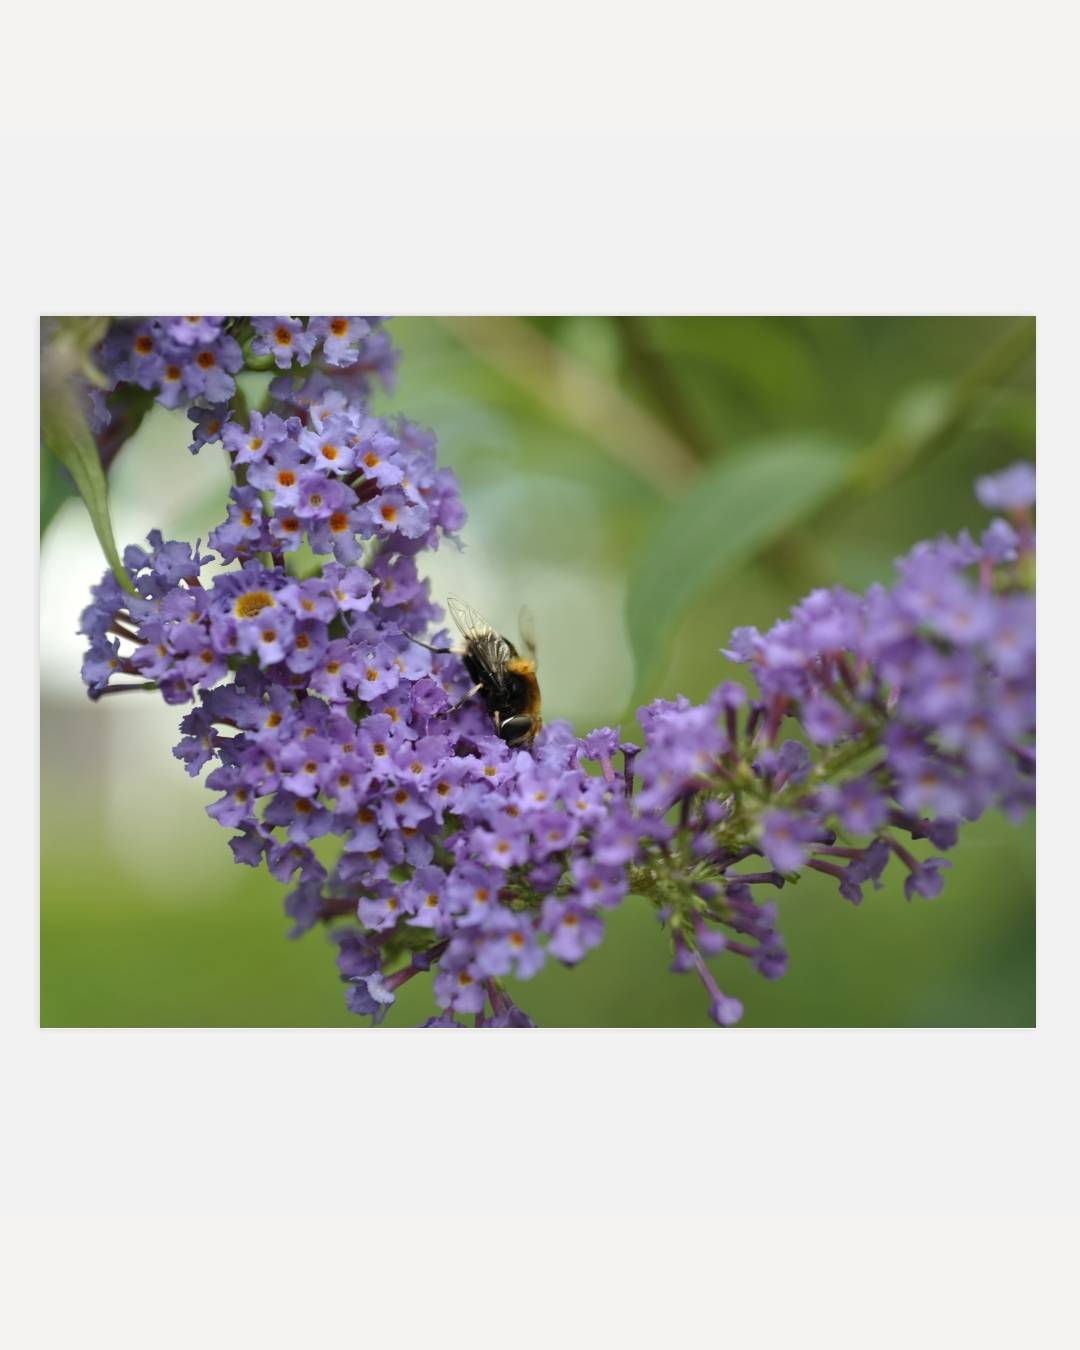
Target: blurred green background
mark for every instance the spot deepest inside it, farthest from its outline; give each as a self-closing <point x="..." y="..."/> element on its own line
<point x="645" y="485"/>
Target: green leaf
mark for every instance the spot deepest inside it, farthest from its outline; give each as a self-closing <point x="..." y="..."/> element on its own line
<point x="66" y="434"/>
<point x="749" y="499"/>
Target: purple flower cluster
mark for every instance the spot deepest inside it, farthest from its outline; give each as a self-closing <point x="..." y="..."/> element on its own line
<point x="177" y="358"/>
<point x="343" y="756"/>
<point x="193" y="359"/>
<point x="923" y="694"/>
<point x="336" y="726"/>
<point x="316" y="470"/>
<point x="321" y="720"/>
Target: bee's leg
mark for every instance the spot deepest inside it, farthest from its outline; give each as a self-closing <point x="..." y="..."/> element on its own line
<point x="462" y="701"/>
<point x="439" y="651"/>
<point x="516" y="730"/>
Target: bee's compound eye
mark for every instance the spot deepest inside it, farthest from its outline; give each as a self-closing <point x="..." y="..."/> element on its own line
<point x="515" y="730"/>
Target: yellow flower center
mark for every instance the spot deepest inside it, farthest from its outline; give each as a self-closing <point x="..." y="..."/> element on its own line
<point x="252" y="603"/>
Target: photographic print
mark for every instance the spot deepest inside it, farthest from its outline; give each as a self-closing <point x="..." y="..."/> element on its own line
<point x="565" y="671"/>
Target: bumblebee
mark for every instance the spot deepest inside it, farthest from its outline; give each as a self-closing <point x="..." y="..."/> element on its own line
<point x="504" y="680"/>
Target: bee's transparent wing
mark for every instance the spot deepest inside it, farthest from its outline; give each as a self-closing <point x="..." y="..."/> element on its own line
<point x="470" y="623"/>
<point x="527" y="628"/>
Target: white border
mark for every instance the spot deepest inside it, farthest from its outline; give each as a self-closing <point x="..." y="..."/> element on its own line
<point x="554" y="1126"/>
